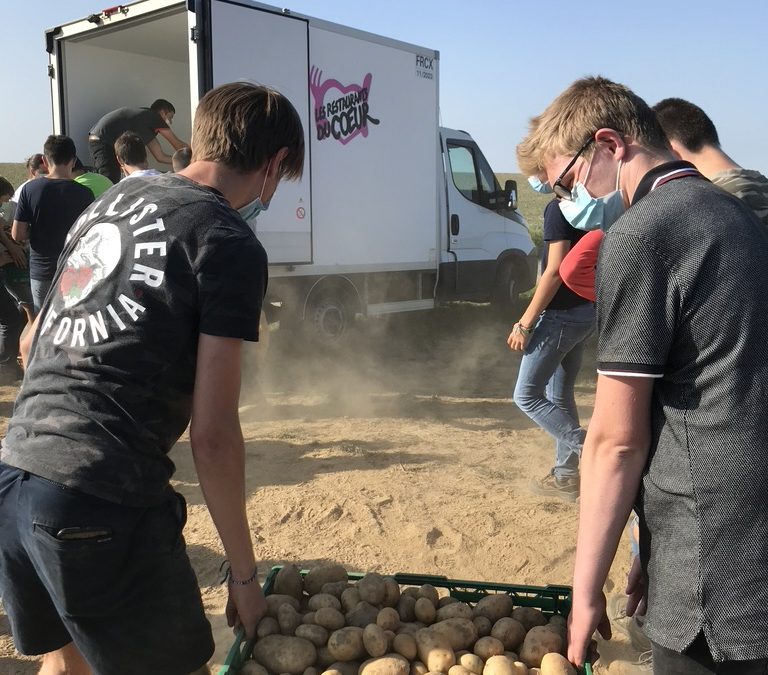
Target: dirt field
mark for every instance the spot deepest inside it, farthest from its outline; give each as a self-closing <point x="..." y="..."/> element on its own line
<point x="403" y="453"/>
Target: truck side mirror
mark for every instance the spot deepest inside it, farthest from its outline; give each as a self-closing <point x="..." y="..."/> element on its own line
<point x="510" y="190"/>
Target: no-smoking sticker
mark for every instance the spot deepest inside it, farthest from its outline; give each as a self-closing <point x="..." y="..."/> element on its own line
<point x="300" y="213"/>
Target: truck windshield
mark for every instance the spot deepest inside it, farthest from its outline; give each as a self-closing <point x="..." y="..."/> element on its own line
<point x="472" y="175"/>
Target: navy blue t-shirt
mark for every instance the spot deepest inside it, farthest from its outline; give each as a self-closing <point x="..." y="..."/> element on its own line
<point x="557" y="228"/>
<point x="50" y="206"/>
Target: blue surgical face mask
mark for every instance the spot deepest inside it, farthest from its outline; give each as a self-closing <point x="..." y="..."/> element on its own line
<point x="536" y="183"/>
<point x="586" y="212"/>
<point x="254" y="208"/>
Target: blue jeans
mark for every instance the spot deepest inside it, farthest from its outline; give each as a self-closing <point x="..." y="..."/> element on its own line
<point x="39" y="291"/>
<point x="545" y="383"/>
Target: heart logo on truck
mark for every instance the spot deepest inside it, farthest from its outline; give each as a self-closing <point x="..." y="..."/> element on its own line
<point x="346" y="113"/>
<point x="95" y="257"/>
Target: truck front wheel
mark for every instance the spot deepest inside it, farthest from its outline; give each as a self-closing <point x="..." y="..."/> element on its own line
<point x="506" y="297"/>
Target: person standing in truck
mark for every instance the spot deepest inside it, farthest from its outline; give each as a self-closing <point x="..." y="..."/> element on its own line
<point x="147" y="123"/>
<point x="158" y="286"/>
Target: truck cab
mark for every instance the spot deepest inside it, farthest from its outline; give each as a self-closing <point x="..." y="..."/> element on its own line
<point x="487" y="249"/>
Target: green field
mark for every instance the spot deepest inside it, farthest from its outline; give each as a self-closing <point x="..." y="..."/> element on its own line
<point x="16" y="173"/>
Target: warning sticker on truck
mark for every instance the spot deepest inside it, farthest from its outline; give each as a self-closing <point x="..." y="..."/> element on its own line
<point x="341" y="111"/>
<point x="425" y="67"/>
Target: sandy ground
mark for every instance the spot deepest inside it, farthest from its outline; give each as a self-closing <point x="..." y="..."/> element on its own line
<point x="401" y="453"/>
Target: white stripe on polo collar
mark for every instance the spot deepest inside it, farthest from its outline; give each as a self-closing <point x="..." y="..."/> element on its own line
<point x="677" y="173"/>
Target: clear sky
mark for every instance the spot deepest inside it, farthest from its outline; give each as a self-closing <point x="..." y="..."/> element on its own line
<point x="502" y="61"/>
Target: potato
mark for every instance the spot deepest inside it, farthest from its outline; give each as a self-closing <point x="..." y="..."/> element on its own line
<point x="461" y="633"/>
<point x="284" y="654"/>
<point x="429" y="592"/>
<point x="388" y="618"/>
<point x="519" y="668"/>
<point x="435" y="650"/>
<point x="325" y="658"/>
<point x="371" y="588"/>
<point x="321" y="600"/>
<point x="375" y="640"/>
<point x="494" y="606"/>
<point x="418" y="668"/>
<point x="310" y="671"/>
<point x="349" y="599"/>
<point x="335" y="588"/>
<point x="556" y="664"/>
<point x="346" y="644"/>
<point x="289" y="582"/>
<point x="250" y="667"/>
<point x="538" y="641"/>
<point x="454" y="610"/>
<point x="529" y="617"/>
<point x="343" y="668"/>
<point x="391" y="664"/>
<point x="483" y="625"/>
<point x="329" y="618"/>
<point x="391" y="635"/>
<point x="472" y="662"/>
<point x="363" y="614"/>
<point x="509" y="631"/>
<point x="391" y="592"/>
<point x="411" y="592"/>
<point x="317" y="635"/>
<point x="486" y="647"/>
<point x="410" y="627"/>
<point x="405" y="645"/>
<point x="323" y="574"/>
<point x="458" y="670"/>
<point x="288" y="619"/>
<point x="425" y="610"/>
<point x="557" y="619"/>
<point x="308" y="618"/>
<point x="445" y="601"/>
<point x="406" y="608"/>
<point x="267" y="626"/>
<point x="275" y="601"/>
<point x="498" y="665"/>
<point x="512" y="656"/>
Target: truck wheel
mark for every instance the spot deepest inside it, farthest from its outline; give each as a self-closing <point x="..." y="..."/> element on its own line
<point x="506" y="298"/>
<point x="330" y="320"/>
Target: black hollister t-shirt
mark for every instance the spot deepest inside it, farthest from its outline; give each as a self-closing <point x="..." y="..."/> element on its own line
<point x="151" y="265"/>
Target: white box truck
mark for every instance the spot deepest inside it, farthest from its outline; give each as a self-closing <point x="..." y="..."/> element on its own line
<point x="393" y="213"/>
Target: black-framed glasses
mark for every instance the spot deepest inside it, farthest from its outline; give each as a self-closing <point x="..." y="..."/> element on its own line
<point x="557" y="187"/>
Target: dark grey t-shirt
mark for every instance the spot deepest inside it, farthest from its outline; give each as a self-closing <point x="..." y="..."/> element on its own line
<point x="141" y="121"/>
<point x="681" y="297"/>
<point x="150" y="266"/>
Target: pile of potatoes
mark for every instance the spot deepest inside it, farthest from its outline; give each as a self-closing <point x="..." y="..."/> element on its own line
<point x="324" y="625"/>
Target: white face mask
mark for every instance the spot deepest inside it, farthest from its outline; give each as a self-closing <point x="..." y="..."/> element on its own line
<point x="585" y="212"/>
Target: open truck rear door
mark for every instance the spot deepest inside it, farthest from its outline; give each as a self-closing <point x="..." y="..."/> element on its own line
<point x="245" y="41"/>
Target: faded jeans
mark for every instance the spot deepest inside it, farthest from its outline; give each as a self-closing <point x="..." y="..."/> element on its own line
<point x="40" y="288"/>
<point x="547" y="377"/>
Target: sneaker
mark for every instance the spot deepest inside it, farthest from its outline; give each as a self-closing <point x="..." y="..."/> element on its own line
<point x="551" y="486"/>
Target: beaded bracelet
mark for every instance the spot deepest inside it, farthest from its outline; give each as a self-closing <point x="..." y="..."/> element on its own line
<point x="522" y="329"/>
<point x="227" y="577"/>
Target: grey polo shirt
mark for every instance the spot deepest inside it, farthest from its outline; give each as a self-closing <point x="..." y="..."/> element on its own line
<point x="681" y="297"/>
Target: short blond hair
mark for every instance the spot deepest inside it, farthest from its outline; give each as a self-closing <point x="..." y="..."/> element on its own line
<point x="588" y="105"/>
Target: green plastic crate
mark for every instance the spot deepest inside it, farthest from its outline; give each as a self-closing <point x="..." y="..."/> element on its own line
<point x="549" y="599"/>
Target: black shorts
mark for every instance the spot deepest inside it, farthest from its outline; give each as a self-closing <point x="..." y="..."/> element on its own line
<point x="115" y="580"/>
